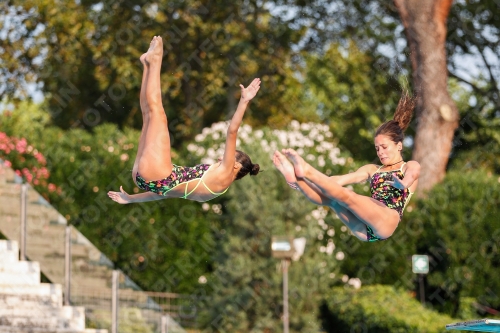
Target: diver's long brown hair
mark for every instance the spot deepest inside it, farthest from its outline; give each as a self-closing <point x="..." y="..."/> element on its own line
<point x="395" y="128"/>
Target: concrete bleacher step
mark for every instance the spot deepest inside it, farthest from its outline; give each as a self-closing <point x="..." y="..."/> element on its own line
<point x="9" y="256"/>
<point x="90" y="285"/>
<point x="43" y="289"/>
<point x="64" y="317"/>
<point x="28" y="302"/>
<point x="45" y="237"/>
<point x="86" y="268"/>
<point x="13" y="271"/>
<point x="9" y="251"/>
<point x="9" y="278"/>
<point x="43" y="295"/>
<point x="9" y="245"/>
<point x="105" y="293"/>
<point x="8" y="329"/>
<point x="11" y="191"/>
<point x="43" y="322"/>
<point x="20" y="267"/>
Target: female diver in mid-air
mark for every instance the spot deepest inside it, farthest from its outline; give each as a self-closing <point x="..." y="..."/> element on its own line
<point x="391" y="184"/>
<point x="153" y="170"/>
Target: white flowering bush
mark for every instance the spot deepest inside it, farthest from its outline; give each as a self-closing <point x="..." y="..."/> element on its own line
<point x="313" y="141"/>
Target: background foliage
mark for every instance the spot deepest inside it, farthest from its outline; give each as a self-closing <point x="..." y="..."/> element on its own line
<point x="341" y="64"/>
<point x="379" y="309"/>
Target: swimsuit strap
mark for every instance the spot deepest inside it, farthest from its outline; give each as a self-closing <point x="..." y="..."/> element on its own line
<point x="401" y="169"/>
<point x="373" y="175"/>
<point x="201" y="181"/>
<point x="209" y="190"/>
<point x="206" y="186"/>
<point x="194" y="189"/>
<point x="186" y="188"/>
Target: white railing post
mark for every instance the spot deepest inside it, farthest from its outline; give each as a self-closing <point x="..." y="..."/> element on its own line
<point x="164" y="324"/>
<point x="114" y="301"/>
<point x="24" y="190"/>
<point x="67" y="266"/>
<point x="285" y="263"/>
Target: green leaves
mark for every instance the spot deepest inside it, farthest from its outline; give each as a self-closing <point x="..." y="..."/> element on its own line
<point x="87" y="60"/>
<point x="457" y="226"/>
<point x="379" y="309"/>
<point x="461" y="234"/>
<point x="352" y="97"/>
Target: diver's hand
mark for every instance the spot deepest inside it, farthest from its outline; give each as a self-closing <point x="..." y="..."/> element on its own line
<point x="249" y="92"/>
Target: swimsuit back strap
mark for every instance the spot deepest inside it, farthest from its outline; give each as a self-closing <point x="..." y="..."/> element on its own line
<point x="401" y="169"/>
<point x="206" y="186"/>
<point x="201" y="181"/>
<point x="380" y="167"/>
<point x="194" y="189"/>
<point x="209" y="190"/>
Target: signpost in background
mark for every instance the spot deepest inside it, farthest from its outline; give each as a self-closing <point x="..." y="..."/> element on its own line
<point x="420" y="266"/>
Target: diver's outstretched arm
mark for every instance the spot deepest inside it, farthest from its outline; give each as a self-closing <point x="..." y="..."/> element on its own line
<point x="232" y="132"/>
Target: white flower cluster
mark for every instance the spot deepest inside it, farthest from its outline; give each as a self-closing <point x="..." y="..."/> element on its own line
<point x="319" y="215"/>
<point x="328" y="249"/>
<point x="310" y="135"/>
<point x="302" y="137"/>
<point x="216" y="133"/>
<point x="355" y="282"/>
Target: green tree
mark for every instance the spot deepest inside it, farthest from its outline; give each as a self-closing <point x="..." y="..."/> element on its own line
<point x="351" y="97"/>
<point x="85" y="57"/>
<point x="472" y="31"/>
<point x="377" y="29"/>
<point x="469" y="37"/>
<point x="461" y="235"/>
<point x="477" y="142"/>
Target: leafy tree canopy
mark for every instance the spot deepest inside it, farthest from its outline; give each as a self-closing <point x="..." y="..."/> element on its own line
<point x="85" y="58"/>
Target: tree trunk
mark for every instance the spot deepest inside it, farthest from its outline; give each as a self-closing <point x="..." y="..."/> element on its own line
<point x="436" y="113"/>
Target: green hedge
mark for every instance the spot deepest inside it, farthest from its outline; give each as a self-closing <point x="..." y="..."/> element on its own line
<point x="379" y="309"/>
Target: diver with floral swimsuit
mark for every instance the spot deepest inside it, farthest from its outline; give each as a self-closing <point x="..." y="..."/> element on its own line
<point x="392" y="184"/>
<point x="153" y="169"/>
<point x="382" y="190"/>
<point x="180" y="176"/>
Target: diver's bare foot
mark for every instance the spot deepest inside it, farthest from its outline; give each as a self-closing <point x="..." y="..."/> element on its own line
<point x="143" y="60"/>
<point x="284" y="166"/>
<point x="300" y="166"/>
<point x="155" y="52"/>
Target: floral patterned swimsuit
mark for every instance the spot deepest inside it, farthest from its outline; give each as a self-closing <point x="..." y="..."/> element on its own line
<point x="388" y="195"/>
<point x="180" y="175"/>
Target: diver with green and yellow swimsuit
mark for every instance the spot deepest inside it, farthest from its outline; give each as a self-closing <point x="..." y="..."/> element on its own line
<point x="153" y="169"/>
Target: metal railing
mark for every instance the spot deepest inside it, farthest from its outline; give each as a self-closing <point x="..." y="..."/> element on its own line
<point x="88" y="277"/>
